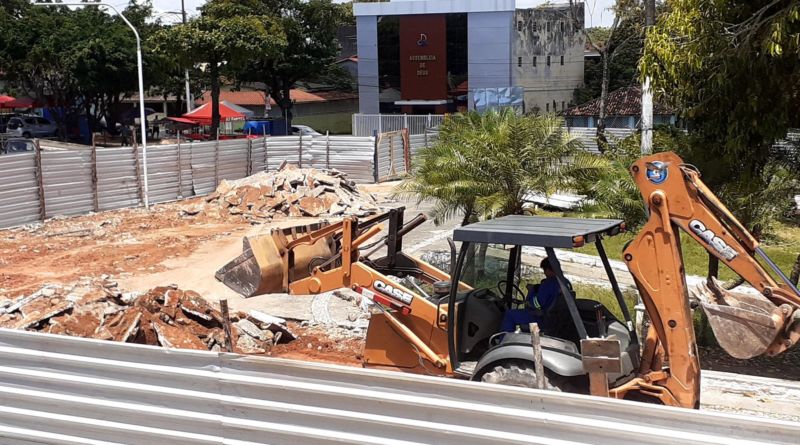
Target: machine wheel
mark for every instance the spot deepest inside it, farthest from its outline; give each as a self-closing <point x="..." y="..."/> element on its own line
<point x="519" y="373"/>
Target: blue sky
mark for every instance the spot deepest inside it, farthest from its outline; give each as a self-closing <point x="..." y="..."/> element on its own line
<point x="597" y="13"/>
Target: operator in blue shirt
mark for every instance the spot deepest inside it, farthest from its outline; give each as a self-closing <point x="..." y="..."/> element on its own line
<point x="540" y="298"/>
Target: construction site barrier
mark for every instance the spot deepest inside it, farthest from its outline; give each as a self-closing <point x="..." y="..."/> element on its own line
<point x="57" y="181"/>
<point x="67" y="390"/>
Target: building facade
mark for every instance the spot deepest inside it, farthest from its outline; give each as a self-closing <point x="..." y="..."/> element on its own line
<point x="549" y="55"/>
<point x="433" y="56"/>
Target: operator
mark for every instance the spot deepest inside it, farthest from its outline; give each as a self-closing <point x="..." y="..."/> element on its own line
<point x="540" y="298"/>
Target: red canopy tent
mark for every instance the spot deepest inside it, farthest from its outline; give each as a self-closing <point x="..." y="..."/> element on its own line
<point x="22" y="102"/>
<point x="202" y="114"/>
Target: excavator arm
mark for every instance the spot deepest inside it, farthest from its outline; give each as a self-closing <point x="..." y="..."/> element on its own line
<point x="746" y="325"/>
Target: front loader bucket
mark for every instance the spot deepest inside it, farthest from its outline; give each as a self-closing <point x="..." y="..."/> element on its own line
<point x="744" y="325"/>
<point x="260" y="268"/>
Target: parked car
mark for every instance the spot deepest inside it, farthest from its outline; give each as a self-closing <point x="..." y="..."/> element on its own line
<point x="4" y="118"/>
<point x="31" y="127"/>
<point x="16" y="145"/>
<point x="304" y="130"/>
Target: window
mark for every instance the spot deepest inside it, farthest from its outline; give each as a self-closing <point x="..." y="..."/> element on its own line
<point x="562" y="26"/>
<point x="41" y="121"/>
<point x="548" y="60"/>
<point x="547" y="107"/>
<point x="548" y="26"/>
<point x="519" y="61"/>
<point x="562" y="60"/>
<point x="562" y="105"/>
<point x="30" y="121"/>
<point x="519" y="25"/>
<point x="534" y="61"/>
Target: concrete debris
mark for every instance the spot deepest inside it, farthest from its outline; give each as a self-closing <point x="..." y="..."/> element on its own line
<point x="290" y="191"/>
<point x="164" y="316"/>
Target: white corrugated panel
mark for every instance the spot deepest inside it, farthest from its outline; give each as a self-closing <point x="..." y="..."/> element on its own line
<point x="116" y="178"/>
<point x="203" y="158"/>
<point x="65" y="390"/>
<point x="19" y="200"/>
<point x="162" y="172"/>
<point x="67" y="179"/>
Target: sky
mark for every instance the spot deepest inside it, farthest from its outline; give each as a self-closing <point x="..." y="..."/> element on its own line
<point x="597" y="13"/>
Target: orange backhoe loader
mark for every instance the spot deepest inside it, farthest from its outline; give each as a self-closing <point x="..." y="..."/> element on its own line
<point x="429" y="321"/>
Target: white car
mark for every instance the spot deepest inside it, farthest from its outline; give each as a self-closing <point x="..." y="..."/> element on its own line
<point x="31" y="127"/>
<point x="304" y="130"/>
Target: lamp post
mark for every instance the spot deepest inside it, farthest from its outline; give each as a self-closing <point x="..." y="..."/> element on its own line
<point x="143" y="123"/>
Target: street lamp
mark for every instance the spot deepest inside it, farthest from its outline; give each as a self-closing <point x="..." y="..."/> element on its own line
<point x="141" y="84"/>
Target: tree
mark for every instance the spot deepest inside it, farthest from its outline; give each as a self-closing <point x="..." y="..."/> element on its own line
<point x="310" y="28"/>
<point x="628" y="42"/>
<point x="78" y="62"/>
<point x="624" y="11"/>
<point x="732" y="69"/>
<point x="227" y="34"/>
<point x="487" y="165"/>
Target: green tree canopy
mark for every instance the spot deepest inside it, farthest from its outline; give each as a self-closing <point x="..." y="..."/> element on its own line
<point x="310" y="28"/>
<point x="732" y="70"/>
<point x="226" y="35"/>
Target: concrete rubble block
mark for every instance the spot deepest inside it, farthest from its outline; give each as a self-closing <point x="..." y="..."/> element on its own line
<point x="294" y="212"/>
<point x="249" y="328"/>
<point x="316" y="191"/>
<point x="233" y="200"/>
<point x="193" y="305"/>
<point x="175" y="337"/>
<point x="267" y="190"/>
<point x="312" y="206"/>
<point x="41" y="309"/>
<point x="79" y="324"/>
<point x="248" y="345"/>
<point x="192" y="210"/>
<point x="125" y="325"/>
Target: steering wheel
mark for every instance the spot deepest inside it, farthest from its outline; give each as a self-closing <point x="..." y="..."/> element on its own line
<point x="518" y="296"/>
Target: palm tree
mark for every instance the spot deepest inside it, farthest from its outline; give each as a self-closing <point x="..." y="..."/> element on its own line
<point x="488" y="165"/>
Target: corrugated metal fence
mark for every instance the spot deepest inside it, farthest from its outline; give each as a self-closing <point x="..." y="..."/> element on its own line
<point x="66" y="390"/>
<point x="55" y="181"/>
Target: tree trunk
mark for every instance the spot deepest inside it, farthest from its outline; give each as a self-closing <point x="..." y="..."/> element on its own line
<point x="795" y="275"/>
<point x="602" y="142"/>
<point x="286" y="104"/>
<point x="214" y="71"/>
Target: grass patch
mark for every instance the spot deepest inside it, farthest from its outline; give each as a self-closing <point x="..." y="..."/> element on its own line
<point x="783" y="247"/>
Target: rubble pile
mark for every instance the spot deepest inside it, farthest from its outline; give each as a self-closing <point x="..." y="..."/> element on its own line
<point x="164" y="316"/>
<point x="290" y="191"/>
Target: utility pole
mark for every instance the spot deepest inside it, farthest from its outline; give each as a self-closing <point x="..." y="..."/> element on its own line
<point x="188" y="90"/>
<point x="647" y="93"/>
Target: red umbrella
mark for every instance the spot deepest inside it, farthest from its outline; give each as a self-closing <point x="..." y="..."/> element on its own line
<point x="5" y="99"/>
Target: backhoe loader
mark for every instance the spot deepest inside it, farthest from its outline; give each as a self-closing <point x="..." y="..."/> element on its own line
<point x="448" y="324"/>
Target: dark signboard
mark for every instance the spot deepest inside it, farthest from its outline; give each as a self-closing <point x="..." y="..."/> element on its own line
<point x="423" y="57"/>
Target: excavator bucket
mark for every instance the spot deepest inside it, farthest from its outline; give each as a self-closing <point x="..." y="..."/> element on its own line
<point x="744" y="325"/>
<point x="263" y="264"/>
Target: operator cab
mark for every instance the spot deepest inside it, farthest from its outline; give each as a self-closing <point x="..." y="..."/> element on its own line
<point x="499" y="262"/>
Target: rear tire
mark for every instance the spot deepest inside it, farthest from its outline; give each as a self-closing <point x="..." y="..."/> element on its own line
<point x="520" y="373"/>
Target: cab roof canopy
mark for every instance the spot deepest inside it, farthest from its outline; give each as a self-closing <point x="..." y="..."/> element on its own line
<point x="538" y="231"/>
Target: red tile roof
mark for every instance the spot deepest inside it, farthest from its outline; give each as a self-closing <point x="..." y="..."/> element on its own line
<point x="621" y="102"/>
<point x="256" y="98"/>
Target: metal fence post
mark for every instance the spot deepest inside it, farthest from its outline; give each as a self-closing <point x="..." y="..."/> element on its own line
<point x="40" y="179"/>
<point x="137" y="167"/>
<point x="249" y="169"/>
<point x="180" y="169"/>
<point x="375" y="137"/>
<point x="266" y="154"/>
<point x="300" y="152"/>
<point x="405" y="121"/>
<point x="327" y="150"/>
<point x="216" y="161"/>
<point x="94" y="175"/>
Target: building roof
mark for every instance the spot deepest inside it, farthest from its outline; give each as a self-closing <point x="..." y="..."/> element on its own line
<point x="537" y="230"/>
<point x="621" y="102"/>
<point x="256" y="98"/>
